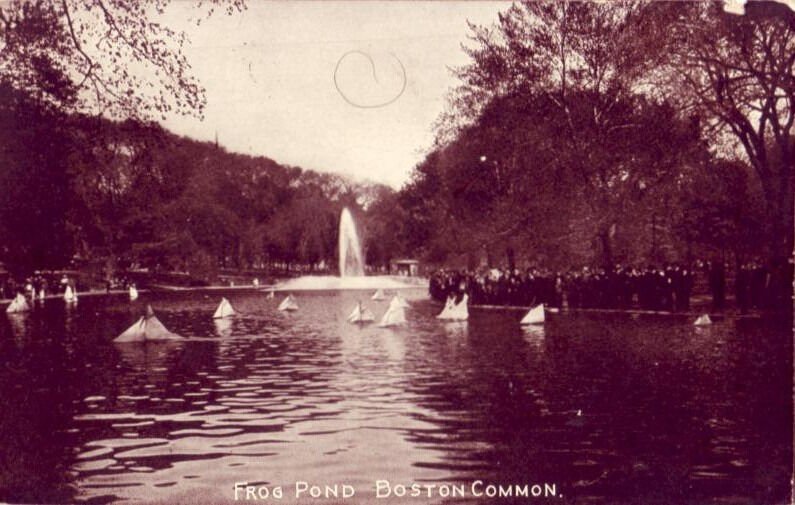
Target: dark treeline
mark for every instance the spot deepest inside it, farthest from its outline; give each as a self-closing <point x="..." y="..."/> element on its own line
<point x="89" y="193"/>
<point x="628" y="134"/>
<point x="513" y="190"/>
<point x="614" y="134"/>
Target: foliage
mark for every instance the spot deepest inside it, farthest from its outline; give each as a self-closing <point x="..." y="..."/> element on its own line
<point x="102" y="56"/>
<point x="34" y="182"/>
<point x="134" y="195"/>
<point x="521" y="181"/>
<point x="549" y="148"/>
<point x="581" y="132"/>
<point x="738" y="72"/>
<point x="600" y="132"/>
<point x="721" y="207"/>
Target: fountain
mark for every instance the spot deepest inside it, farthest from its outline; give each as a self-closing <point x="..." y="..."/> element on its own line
<point x="351" y="264"/>
<point x="350" y="250"/>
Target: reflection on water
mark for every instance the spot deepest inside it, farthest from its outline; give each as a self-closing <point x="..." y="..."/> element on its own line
<point x="18" y="322"/>
<point x="611" y="409"/>
<point x="223" y="327"/>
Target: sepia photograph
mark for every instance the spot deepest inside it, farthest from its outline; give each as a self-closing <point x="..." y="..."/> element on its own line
<point x="397" y="251"/>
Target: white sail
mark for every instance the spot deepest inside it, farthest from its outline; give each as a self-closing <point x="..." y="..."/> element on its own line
<point x="360" y="315"/>
<point x="394" y="315"/>
<point x="534" y="316"/>
<point x="288" y="304"/>
<point x="145" y="329"/>
<point x="395" y="303"/>
<point x="42" y="294"/>
<point x="355" y="313"/>
<point x="134" y="333"/>
<point x="378" y="295"/>
<point x="69" y="295"/>
<point x="224" y="309"/>
<point x="703" y="320"/>
<point x="403" y="302"/>
<point x="448" y="306"/>
<point x="18" y="304"/>
<point x="460" y="311"/>
<point x="133" y="293"/>
<point x="271" y="295"/>
<point x="155" y="330"/>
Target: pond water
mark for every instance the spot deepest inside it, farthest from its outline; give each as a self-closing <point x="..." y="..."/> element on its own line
<point x="597" y="408"/>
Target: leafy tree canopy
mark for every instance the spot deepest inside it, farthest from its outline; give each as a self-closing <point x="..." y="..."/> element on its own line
<point x="112" y="57"/>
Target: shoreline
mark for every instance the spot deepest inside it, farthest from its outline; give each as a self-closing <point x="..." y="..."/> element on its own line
<point x="154" y="289"/>
<point x="165" y="288"/>
<point x="728" y="314"/>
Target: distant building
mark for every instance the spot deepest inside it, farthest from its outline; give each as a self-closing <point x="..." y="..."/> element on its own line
<point x="405" y="267"/>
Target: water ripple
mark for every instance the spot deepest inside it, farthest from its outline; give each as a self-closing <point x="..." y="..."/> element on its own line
<point x="604" y="408"/>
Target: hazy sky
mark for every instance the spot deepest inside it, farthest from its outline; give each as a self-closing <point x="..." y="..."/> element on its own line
<point x="270" y="78"/>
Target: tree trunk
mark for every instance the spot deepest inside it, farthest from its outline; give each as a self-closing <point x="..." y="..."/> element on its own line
<point x="607" y="248"/>
<point x="511" y="254"/>
<point x="471" y="261"/>
<point x="779" y="208"/>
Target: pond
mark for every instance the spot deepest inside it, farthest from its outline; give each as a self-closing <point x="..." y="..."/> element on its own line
<point x="589" y="408"/>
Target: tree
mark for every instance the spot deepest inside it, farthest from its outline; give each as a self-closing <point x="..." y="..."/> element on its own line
<point x="520" y="182"/>
<point x="114" y="176"/>
<point x="383" y="227"/>
<point x="571" y="148"/>
<point x="723" y="209"/>
<point x="35" y="186"/>
<point x="111" y="57"/>
<point x="739" y="72"/>
<point x="551" y="48"/>
<point x="607" y="68"/>
<point x="61" y="61"/>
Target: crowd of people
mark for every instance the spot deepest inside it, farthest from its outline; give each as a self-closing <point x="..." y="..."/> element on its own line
<point x="669" y="287"/>
<point x="36" y="285"/>
<point x="45" y="284"/>
<point x="755" y="287"/>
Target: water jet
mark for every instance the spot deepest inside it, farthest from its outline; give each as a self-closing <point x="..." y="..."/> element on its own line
<point x="351" y="265"/>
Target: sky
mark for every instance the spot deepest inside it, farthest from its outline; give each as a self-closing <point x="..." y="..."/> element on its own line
<point x="346" y="87"/>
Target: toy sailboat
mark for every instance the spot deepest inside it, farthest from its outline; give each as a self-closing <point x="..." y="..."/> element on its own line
<point x="19" y="304"/>
<point x="70" y="295"/>
<point x="147" y="328"/>
<point x="394" y="315"/>
<point x="224" y="309"/>
<point x="534" y="316"/>
<point x="455" y="311"/>
<point x="360" y="315"/>
<point x="448" y="306"/>
<point x="288" y="304"/>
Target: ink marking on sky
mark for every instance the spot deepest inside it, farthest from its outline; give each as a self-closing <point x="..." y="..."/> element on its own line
<point x="356" y="101"/>
<point x="352" y="88"/>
